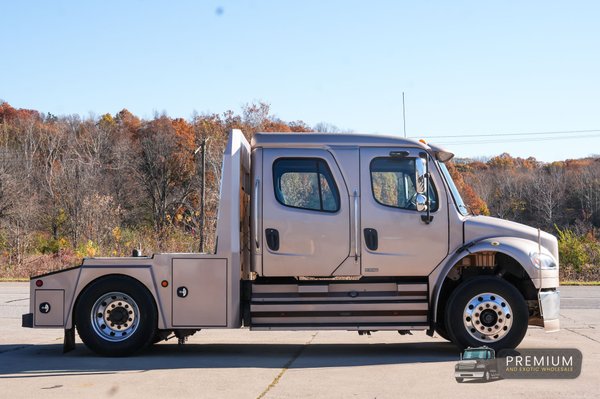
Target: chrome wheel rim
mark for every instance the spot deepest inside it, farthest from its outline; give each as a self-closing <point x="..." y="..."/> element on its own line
<point x="115" y="317"/>
<point x="488" y="317"/>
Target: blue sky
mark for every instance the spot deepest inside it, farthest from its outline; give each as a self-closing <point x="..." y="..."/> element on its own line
<point x="467" y="67"/>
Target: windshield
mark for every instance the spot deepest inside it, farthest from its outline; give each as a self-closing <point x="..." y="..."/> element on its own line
<point x="462" y="208"/>
<point x="476" y="354"/>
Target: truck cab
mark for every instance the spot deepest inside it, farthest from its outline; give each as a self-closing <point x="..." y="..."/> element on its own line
<point x="321" y="231"/>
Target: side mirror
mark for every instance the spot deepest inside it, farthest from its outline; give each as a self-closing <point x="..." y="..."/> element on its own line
<point x="421" y="202"/>
<point x="421" y="175"/>
<point x="422" y="187"/>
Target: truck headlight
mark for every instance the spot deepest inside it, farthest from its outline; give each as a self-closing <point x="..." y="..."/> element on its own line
<point x="542" y="261"/>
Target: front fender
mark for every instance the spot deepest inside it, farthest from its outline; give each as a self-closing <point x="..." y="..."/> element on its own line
<point x="517" y="248"/>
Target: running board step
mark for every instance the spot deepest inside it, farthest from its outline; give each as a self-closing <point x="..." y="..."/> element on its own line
<point x="347" y="305"/>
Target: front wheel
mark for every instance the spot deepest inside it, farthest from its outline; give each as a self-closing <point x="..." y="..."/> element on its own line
<point x="486" y="311"/>
<point x="116" y="316"/>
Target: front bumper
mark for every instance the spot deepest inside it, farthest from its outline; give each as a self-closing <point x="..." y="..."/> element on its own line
<point x="468" y="374"/>
<point x="550" y="308"/>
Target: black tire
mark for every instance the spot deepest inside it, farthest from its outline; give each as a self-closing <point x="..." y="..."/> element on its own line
<point x="459" y="379"/>
<point x="441" y="331"/>
<point x="108" y="294"/>
<point x="464" y="295"/>
<point x="160" y="335"/>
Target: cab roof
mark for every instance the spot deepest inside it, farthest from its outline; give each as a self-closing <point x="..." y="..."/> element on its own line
<point x="320" y="140"/>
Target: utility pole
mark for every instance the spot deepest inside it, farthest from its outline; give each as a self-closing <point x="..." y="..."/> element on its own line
<point x="202" y="150"/>
<point x="404" y="114"/>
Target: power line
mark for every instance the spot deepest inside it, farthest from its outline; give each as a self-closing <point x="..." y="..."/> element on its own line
<point x="520" y="140"/>
<point x="517" y="134"/>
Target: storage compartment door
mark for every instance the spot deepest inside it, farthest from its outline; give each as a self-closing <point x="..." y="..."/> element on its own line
<point x="49" y="308"/>
<point x="199" y="293"/>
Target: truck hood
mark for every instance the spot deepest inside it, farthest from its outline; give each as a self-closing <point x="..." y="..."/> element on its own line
<point x="482" y="227"/>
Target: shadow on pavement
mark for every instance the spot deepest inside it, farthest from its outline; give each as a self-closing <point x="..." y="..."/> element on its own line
<point x="48" y="360"/>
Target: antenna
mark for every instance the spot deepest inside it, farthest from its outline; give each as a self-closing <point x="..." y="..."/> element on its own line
<point x="404" y="114"/>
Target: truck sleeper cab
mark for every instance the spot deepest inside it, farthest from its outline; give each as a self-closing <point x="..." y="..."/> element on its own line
<point x="321" y="231"/>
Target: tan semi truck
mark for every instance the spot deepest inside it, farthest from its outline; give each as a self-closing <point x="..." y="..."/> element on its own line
<point x="321" y="232"/>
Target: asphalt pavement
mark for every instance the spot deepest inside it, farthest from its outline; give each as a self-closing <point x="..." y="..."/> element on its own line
<point x="309" y="364"/>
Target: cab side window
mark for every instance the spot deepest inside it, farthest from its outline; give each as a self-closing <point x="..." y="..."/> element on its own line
<point x="393" y="183"/>
<point x="305" y="183"/>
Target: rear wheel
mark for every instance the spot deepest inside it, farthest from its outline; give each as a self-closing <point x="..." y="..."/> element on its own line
<point x="486" y="311"/>
<point x="116" y="316"/>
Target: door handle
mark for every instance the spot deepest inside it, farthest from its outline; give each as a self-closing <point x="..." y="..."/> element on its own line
<point x="255" y="206"/>
<point x="356" y="228"/>
<point x="371" y="239"/>
<point x="272" y="239"/>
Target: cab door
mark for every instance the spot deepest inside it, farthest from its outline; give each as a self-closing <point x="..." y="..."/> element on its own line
<point x="306" y="216"/>
<point x="396" y="240"/>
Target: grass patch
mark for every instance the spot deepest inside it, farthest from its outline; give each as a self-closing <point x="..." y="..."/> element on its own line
<point x="592" y="283"/>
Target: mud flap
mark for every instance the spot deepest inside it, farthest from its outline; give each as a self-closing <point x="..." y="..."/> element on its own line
<point x="27" y="320"/>
<point x="69" y="341"/>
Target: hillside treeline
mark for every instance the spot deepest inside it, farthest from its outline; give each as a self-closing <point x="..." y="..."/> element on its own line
<point x="72" y="187"/>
